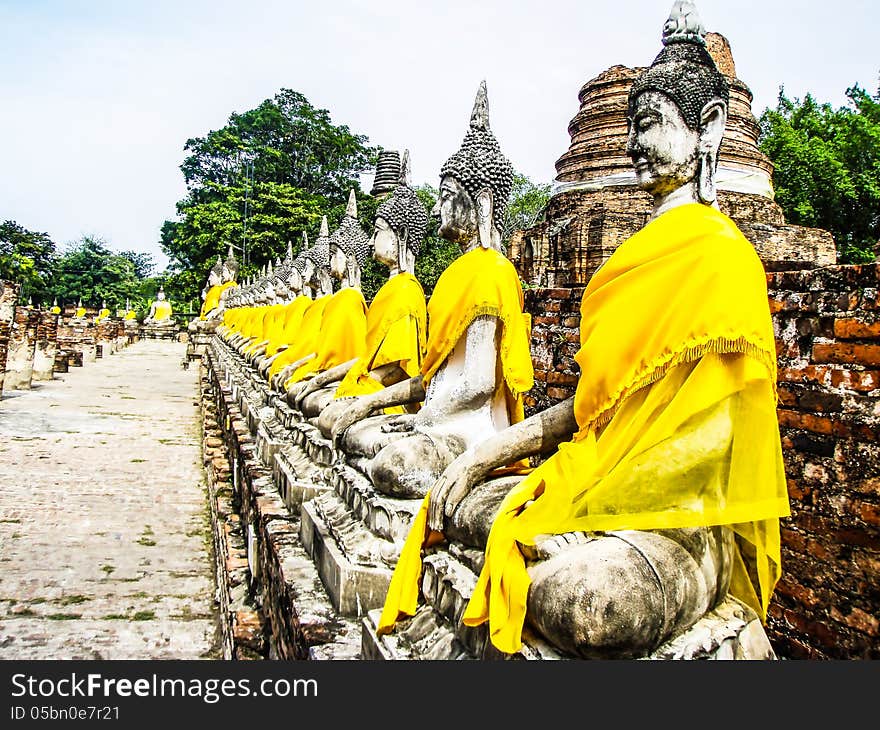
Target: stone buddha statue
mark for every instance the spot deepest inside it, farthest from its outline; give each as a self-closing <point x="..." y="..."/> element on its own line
<point x="396" y="318"/>
<point x="286" y="326"/>
<point x="344" y="320"/>
<point x="55" y="309"/>
<point x="160" y="312"/>
<point x="477" y="362"/>
<point x="318" y="286"/>
<point x="662" y="486"/>
<point x="103" y="313"/>
<point x="80" y="311"/>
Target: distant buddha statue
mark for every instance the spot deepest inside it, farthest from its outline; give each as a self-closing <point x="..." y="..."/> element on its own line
<point x="344" y="320"/>
<point x="80" y="311"/>
<point x="130" y="314"/>
<point x="477" y="363"/>
<point x="397" y="316"/>
<point x="287" y="326"/>
<point x="103" y="313"/>
<point x="665" y="483"/>
<point x="317" y="286"/>
<point x="160" y="312"/>
<point x="55" y="309"/>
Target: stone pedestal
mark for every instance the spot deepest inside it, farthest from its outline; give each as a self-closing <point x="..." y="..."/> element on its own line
<point x="22" y="345"/>
<point x="46" y="346"/>
<point x="8" y="295"/>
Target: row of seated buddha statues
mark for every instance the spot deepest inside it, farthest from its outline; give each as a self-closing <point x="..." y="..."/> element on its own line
<point x="638" y="518"/>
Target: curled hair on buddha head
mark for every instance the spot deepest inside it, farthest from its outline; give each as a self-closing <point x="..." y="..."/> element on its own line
<point x="479" y="163"/>
<point x="217" y="268"/>
<point x="403" y="208"/>
<point x="350" y="237"/>
<point x="231" y="265"/>
<point x="319" y="254"/>
<point x="684" y="70"/>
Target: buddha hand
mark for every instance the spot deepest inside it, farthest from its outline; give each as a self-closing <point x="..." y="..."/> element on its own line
<point x="454" y="484"/>
<point x="358" y="411"/>
<point x="399" y="424"/>
<point x="554" y="545"/>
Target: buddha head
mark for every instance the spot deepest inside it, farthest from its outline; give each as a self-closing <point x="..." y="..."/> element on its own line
<point x="230" y="266"/>
<point x="316" y="272"/>
<point x="348" y="247"/>
<point x="400" y="225"/>
<point x="677" y="114"/>
<point x="215" y="275"/>
<point x="475" y="185"/>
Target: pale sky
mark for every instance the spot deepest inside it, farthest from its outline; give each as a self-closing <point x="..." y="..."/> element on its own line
<point x="99" y="97"/>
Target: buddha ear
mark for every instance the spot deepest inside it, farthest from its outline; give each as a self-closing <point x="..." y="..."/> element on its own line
<point x="484" y="217"/>
<point x="402" y="242"/>
<point x="713" y="120"/>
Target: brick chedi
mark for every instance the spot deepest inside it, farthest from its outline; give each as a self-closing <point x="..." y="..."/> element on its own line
<point x="596" y="206"/>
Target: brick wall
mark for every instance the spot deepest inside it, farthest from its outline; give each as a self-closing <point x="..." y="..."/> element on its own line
<point x="827" y="323"/>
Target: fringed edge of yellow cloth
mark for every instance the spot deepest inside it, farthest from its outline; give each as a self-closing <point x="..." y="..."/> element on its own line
<point x="484" y="310"/>
<point x="662" y="365"/>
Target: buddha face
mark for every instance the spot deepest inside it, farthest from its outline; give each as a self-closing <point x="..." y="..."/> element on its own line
<point x="338" y="262"/>
<point x="663" y="149"/>
<point x="295" y="281"/>
<point x="214" y="278"/>
<point x="458" y="214"/>
<point x="384" y="243"/>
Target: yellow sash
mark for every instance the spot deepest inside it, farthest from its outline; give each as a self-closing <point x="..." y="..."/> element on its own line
<point x="396" y="329"/>
<point x="212" y="298"/>
<point x="288" y="324"/>
<point x="306" y="340"/>
<point x="481" y="282"/>
<point x="342" y="336"/>
<point x="675" y="329"/>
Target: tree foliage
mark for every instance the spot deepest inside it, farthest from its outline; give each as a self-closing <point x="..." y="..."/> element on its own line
<point x="91" y="272"/>
<point x="827" y="164"/>
<point x="262" y="180"/>
<point x="527" y="203"/>
<point x="26" y="257"/>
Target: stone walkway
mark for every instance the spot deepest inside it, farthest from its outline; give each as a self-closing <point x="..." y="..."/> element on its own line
<point x="104" y="533"/>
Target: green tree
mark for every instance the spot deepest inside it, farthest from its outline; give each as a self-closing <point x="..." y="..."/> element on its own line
<point x="259" y="182"/>
<point x="91" y="272"/>
<point x="28" y="258"/>
<point x="827" y="167"/>
<point x="527" y="203"/>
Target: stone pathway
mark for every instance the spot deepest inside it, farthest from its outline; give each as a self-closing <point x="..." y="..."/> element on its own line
<point x="105" y="549"/>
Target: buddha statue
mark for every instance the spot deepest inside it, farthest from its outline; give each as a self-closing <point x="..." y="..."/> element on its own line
<point x="663" y="483"/>
<point x="344" y="321"/>
<point x="317" y="286"/>
<point x="80" y="311"/>
<point x="103" y="313"/>
<point x="396" y="318"/>
<point x="286" y="328"/>
<point x="477" y="363"/>
<point x="55" y="309"/>
<point x="160" y="312"/>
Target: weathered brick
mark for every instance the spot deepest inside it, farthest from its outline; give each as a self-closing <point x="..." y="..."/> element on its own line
<point x="546" y="320"/>
<point x="855" y="329"/>
<point x="861" y="381"/>
<point x="857" y="619"/>
<point x="556" y="378"/>
<point x="572" y="322"/>
<point x="560" y="393"/>
<point x="847" y="353"/>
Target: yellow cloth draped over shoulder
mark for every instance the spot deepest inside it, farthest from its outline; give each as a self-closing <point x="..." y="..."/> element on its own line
<point x="212" y="298"/>
<point x="304" y="341"/>
<point x="342" y="336"/>
<point x="677" y="346"/>
<point x="482" y="282"/>
<point x="102" y="315"/>
<point x="162" y="310"/>
<point x="80" y="313"/>
<point x="265" y="325"/>
<point x="396" y="332"/>
<point x="288" y="324"/>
